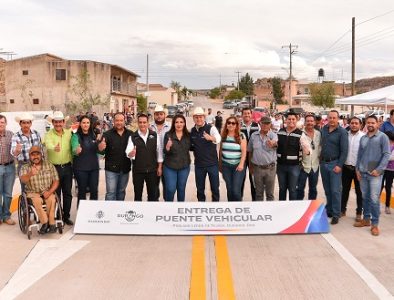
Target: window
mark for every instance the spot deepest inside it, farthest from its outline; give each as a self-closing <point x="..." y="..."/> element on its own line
<point x="12" y="101"/>
<point x="36" y="101"/>
<point x="116" y="83"/>
<point x="25" y="72"/>
<point x="60" y="74"/>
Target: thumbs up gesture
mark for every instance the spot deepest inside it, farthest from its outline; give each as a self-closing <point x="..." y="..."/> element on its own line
<point x="133" y="152"/>
<point x="57" y="147"/>
<point x="18" y="148"/>
<point x="78" y="150"/>
<point x="169" y="144"/>
<point x="102" y="145"/>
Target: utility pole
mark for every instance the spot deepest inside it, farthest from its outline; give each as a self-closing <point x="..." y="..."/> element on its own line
<point x="238" y="72"/>
<point x="147" y="78"/>
<point x="220" y="81"/>
<point x="353" y="62"/>
<point x="292" y="50"/>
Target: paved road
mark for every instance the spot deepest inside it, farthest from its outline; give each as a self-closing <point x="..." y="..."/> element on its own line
<point x="347" y="263"/>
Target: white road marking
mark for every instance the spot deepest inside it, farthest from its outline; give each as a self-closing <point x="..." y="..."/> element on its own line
<point x="43" y="258"/>
<point x="356" y="265"/>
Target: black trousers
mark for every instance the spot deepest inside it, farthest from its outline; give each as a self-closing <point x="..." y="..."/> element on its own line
<point x="387" y="182"/>
<point x="151" y="185"/>
<point x="348" y="175"/>
<point x="65" y="184"/>
<point x="252" y="188"/>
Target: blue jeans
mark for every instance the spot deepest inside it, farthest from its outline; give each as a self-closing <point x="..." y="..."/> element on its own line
<point x="370" y="189"/>
<point x="200" y="175"/>
<point x="332" y="183"/>
<point x="7" y="179"/>
<point x="288" y="179"/>
<point x="116" y="184"/>
<point x="175" y="180"/>
<point x="312" y="177"/>
<point x="87" y="179"/>
<point x="234" y="180"/>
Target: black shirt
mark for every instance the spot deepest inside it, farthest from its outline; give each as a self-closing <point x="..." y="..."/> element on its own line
<point x="115" y="152"/>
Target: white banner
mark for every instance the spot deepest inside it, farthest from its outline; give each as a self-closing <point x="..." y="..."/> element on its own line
<point x="200" y="218"/>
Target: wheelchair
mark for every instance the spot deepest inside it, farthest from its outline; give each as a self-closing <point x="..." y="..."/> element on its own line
<point x="28" y="217"/>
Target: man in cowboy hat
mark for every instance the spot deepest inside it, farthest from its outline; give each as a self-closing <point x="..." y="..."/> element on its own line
<point x="160" y="126"/>
<point x="23" y="140"/>
<point x="204" y="138"/>
<point x="58" y="144"/>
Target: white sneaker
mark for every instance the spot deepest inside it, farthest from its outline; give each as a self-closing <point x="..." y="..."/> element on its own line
<point x="387" y="210"/>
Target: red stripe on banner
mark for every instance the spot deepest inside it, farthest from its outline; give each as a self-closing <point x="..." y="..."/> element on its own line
<point x="302" y="223"/>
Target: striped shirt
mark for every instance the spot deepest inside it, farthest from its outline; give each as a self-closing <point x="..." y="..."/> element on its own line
<point x="33" y="139"/>
<point x="231" y="150"/>
<point x="5" y="147"/>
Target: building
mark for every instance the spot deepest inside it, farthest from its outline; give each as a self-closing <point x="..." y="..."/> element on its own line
<point x="49" y="82"/>
<point x="158" y="93"/>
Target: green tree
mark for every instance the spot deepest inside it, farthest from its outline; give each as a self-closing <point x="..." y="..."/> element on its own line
<point x="322" y="94"/>
<point x="82" y="89"/>
<point x="246" y="84"/>
<point x="185" y="92"/>
<point x="277" y="92"/>
<point x="234" y="94"/>
<point x="214" y="93"/>
<point x="142" y="103"/>
<point x="177" y="87"/>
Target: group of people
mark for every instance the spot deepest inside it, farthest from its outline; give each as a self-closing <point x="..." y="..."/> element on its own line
<point x="160" y="152"/>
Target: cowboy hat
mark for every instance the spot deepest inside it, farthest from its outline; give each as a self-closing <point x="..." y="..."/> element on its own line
<point x="57" y="116"/>
<point x="159" y="108"/>
<point x="24" y="117"/>
<point x="198" y="111"/>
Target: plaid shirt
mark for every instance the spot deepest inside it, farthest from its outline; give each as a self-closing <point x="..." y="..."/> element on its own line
<point x="5" y="147"/>
<point x="28" y="141"/>
<point x="42" y="181"/>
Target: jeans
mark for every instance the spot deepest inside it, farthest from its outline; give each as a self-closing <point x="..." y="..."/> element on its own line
<point x="65" y="185"/>
<point x="312" y="178"/>
<point x="387" y="182"/>
<point x="116" y="184"/>
<point x="370" y="188"/>
<point x="288" y="179"/>
<point x="234" y="180"/>
<point x="348" y="175"/>
<point x="200" y="175"/>
<point x="87" y="179"/>
<point x="151" y="185"/>
<point x="7" y="179"/>
<point x="175" y="180"/>
<point x="332" y="183"/>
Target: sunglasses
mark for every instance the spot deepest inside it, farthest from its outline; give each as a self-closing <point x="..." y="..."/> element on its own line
<point x="231" y="123"/>
<point x="313" y="145"/>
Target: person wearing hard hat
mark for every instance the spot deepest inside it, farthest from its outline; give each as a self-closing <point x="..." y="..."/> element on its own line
<point x="204" y="140"/>
<point x="161" y="127"/>
<point x="58" y="144"/>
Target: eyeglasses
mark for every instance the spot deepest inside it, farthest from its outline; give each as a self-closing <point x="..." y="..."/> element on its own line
<point x="231" y="123"/>
<point x="313" y="145"/>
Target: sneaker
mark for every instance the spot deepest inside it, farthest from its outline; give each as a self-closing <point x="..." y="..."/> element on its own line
<point x="9" y="221"/>
<point x="358" y="217"/>
<point x="387" y="210"/>
<point x="375" y="230"/>
<point x="362" y="223"/>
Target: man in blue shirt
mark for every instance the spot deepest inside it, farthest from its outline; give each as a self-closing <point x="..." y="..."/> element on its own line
<point x="372" y="158"/>
<point x="333" y="155"/>
<point x="389" y="124"/>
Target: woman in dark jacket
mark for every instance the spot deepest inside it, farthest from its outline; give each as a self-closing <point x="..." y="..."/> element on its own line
<point x="176" y="158"/>
<point x="85" y="160"/>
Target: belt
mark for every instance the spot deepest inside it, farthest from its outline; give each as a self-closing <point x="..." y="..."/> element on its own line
<point x="269" y="166"/>
<point x="8" y="163"/>
<point x="329" y="159"/>
<point x="63" y="165"/>
<point x="350" y="167"/>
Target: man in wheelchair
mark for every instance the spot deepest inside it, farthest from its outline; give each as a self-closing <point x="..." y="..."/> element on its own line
<point x="42" y="180"/>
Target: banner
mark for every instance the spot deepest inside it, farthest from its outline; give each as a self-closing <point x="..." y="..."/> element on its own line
<point x="201" y="218"/>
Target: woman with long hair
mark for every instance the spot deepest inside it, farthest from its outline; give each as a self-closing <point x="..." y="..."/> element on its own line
<point x="85" y="160"/>
<point x="232" y="155"/>
<point x="176" y="159"/>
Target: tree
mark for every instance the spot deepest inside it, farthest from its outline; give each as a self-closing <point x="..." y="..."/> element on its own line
<point x="185" y="92"/>
<point x="214" y="93"/>
<point x="322" y="94"/>
<point x="81" y="88"/>
<point x="142" y="103"/>
<point x="246" y="84"/>
<point x="177" y="87"/>
<point x="234" y="94"/>
<point x="277" y="92"/>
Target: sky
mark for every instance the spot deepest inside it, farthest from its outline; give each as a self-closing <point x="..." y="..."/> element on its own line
<point x="204" y="43"/>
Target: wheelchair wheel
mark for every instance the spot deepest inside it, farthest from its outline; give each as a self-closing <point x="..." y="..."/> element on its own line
<point x="23" y="214"/>
<point x="59" y="214"/>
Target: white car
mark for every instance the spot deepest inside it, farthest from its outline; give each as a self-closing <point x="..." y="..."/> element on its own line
<point x="375" y="112"/>
<point x="152" y="104"/>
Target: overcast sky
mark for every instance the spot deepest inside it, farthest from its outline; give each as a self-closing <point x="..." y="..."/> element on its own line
<point x="197" y="42"/>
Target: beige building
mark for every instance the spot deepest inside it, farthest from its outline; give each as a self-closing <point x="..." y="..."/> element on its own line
<point x="49" y="82"/>
<point x="159" y="94"/>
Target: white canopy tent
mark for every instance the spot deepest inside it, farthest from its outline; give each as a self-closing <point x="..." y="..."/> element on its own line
<point x="380" y="97"/>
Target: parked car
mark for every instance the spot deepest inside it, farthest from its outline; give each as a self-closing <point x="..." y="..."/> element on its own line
<point x="152" y="104"/>
<point x="297" y="110"/>
<point x="171" y="111"/>
<point x="190" y="103"/>
<point x="181" y="108"/>
<point x="229" y="104"/>
<point x="243" y="104"/>
<point x="374" y="112"/>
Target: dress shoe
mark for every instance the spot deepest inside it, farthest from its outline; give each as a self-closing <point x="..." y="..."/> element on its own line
<point x="334" y="220"/>
<point x="329" y="215"/>
<point x="343" y="214"/>
<point x="68" y="222"/>
<point x="358" y="217"/>
<point x="362" y="223"/>
<point x="52" y="229"/>
<point x="9" y="221"/>
<point x="44" y="228"/>
<point x="375" y="230"/>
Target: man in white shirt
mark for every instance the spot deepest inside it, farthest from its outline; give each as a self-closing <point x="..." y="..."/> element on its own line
<point x="349" y="170"/>
<point x="210" y="118"/>
<point x="277" y="123"/>
<point x="310" y="162"/>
